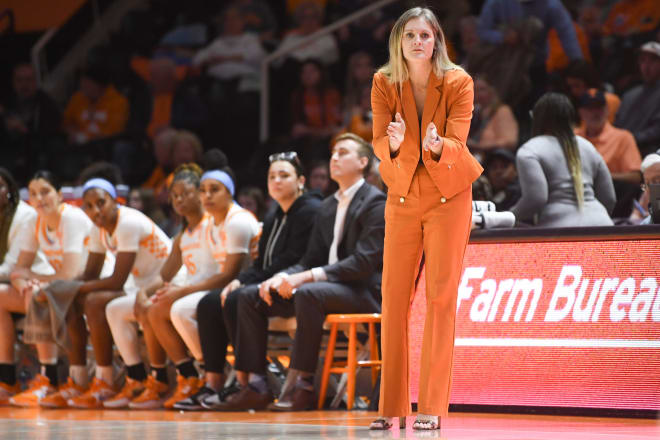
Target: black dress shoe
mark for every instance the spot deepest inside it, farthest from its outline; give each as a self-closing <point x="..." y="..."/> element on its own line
<point x="247" y="398"/>
<point x="301" y="399"/>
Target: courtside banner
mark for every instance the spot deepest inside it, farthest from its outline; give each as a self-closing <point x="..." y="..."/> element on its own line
<point x="566" y="324"/>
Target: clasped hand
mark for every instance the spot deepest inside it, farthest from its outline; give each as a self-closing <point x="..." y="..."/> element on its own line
<point x="168" y="292"/>
<point x="397" y="129"/>
<point x="432" y="142"/>
<point x="285" y="286"/>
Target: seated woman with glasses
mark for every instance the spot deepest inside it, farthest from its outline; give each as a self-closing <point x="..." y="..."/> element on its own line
<point x="283" y="241"/>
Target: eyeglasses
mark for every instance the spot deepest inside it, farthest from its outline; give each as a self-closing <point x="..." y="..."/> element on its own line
<point x="287" y="155"/>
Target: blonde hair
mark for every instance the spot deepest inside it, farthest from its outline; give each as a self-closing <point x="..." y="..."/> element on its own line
<point x="396" y="69"/>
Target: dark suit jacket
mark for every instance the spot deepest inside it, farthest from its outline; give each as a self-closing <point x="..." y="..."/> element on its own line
<point x="360" y="250"/>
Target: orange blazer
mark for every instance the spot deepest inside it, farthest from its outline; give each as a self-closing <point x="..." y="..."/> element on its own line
<point x="449" y="104"/>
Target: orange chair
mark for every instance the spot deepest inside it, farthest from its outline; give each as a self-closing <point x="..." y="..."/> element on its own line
<point x="351" y="365"/>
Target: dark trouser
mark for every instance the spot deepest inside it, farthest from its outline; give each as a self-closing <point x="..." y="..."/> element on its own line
<point x="215" y="331"/>
<point x="309" y="305"/>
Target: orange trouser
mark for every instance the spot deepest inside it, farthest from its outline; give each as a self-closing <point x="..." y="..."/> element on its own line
<point x="421" y="221"/>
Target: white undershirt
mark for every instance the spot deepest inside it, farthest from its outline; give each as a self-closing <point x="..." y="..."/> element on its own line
<point x="343" y="201"/>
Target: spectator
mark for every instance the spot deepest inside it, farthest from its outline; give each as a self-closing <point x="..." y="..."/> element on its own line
<point x="651" y="172"/>
<point x="360" y="119"/>
<point x="481" y="189"/>
<point x="319" y="178"/>
<point x="171" y="104"/>
<point x="373" y="176"/>
<point x="564" y="181"/>
<point x="629" y="17"/>
<point x="292" y="6"/>
<point x="500" y="166"/>
<point x="616" y="145"/>
<point x="186" y="148"/>
<point x="181" y="43"/>
<point x="252" y="199"/>
<point x="516" y="24"/>
<point x="469" y="37"/>
<point x="233" y="62"/>
<point x="96" y="111"/>
<point x="144" y="200"/>
<point x="163" y="146"/>
<point x="368" y="33"/>
<point x="640" y="107"/>
<point x="235" y="55"/>
<point x="510" y="13"/>
<point x="358" y="75"/>
<point x="357" y="95"/>
<point x="315" y="105"/>
<point x="493" y="122"/>
<point x="259" y="18"/>
<point x="580" y="76"/>
<point x="309" y="18"/>
<point x="590" y="20"/>
<point x="30" y="123"/>
<point x="557" y="58"/>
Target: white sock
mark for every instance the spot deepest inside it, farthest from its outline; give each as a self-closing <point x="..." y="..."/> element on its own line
<point x="105" y="374"/>
<point x="79" y="375"/>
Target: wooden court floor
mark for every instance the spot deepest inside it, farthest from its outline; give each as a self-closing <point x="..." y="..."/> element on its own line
<point x="38" y="424"/>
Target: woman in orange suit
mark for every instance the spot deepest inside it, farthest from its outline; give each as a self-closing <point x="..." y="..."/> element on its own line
<point x="422" y="107"/>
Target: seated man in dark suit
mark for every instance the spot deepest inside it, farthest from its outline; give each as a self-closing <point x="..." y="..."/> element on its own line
<point x="339" y="273"/>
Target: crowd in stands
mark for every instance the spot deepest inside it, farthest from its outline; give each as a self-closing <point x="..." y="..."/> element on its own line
<point x="196" y="75"/>
<point x="566" y="124"/>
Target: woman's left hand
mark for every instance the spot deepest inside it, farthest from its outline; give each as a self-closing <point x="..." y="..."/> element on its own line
<point x="432" y="141"/>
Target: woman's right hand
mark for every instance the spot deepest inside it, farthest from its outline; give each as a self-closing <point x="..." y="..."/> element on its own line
<point x="395" y="131"/>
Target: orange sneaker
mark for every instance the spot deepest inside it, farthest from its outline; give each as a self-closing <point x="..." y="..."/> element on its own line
<point x="132" y="388"/>
<point x="6" y="391"/>
<point x="38" y="388"/>
<point x="185" y="387"/>
<point x="59" y="399"/>
<point x="98" y="392"/>
<point x="153" y="395"/>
